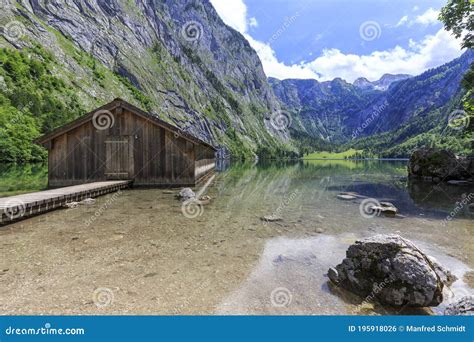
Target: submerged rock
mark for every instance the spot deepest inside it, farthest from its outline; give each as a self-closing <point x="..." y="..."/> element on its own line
<point x="346" y="197"/>
<point x="471" y="207"/>
<point x="71" y="205"/>
<point x="205" y="199"/>
<point x="186" y="194"/>
<point x="464" y="306"/>
<point x="271" y="218"/>
<point x="352" y="193"/>
<point x="392" y="270"/>
<point x="457" y="182"/>
<point x="88" y="201"/>
<point x="386" y="209"/>
<point x="435" y="165"/>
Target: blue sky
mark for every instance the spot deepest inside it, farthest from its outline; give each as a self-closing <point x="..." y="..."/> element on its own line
<point x="324" y="39"/>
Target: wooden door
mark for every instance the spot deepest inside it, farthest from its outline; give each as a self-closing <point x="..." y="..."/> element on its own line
<point x="119" y="157"/>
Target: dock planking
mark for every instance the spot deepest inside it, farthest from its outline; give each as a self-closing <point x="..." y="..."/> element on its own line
<point x="21" y="206"/>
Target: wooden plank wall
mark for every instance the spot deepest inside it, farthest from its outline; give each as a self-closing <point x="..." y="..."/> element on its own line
<point x="160" y="157"/>
<point x="205" y="161"/>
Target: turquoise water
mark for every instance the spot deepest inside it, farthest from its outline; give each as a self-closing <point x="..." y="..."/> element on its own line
<point x="221" y="257"/>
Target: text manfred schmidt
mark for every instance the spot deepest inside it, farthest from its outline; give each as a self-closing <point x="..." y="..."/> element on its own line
<point x="436" y="328"/>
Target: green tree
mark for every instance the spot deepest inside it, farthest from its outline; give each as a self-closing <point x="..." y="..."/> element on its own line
<point x="17" y="130"/>
<point x="458" y="18"/>
<point x="32" y="101"/>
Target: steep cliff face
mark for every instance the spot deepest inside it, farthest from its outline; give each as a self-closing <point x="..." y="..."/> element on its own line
<point x="176" y="58"/>
<point x="322" y="109"/>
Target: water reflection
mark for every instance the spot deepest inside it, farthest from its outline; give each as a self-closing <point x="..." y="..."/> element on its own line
<point x="383" y="180"/>
<point x="442" y="197"/>
<point x="222" y="164"/>
<point x="227" y="260"/>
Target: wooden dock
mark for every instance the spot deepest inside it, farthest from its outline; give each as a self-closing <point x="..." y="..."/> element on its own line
<point x="21" y="206"/>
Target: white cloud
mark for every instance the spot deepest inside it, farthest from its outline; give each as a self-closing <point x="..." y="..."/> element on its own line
<point x="431" y="51"/>
<point x="275" y="68"/>
<point x="233" y="13"/>
<point x="428" y="18"/>
<point x="253" y="22"/>
<point x="415" y="8"/>
<point x="402" y="21"/>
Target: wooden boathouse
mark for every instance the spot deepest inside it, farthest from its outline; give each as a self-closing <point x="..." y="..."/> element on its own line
<point x="119" y="141"/>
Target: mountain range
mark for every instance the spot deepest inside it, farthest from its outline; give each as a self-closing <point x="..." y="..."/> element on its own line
<point x="179" y="61"/>
<point x="391" y="116"/>
<point x="381" y="84"/>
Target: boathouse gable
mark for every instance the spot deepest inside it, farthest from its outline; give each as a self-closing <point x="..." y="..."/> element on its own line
<point x="119" y="141"/>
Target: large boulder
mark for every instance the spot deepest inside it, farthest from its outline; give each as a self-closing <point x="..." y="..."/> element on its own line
<point x="392" y="270"/>
<point x="186" y="194"/>
<point x="436" y="164"/>
<point x="464" y="307"/>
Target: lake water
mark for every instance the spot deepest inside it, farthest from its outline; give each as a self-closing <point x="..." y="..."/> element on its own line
<point x="135" y="252"/>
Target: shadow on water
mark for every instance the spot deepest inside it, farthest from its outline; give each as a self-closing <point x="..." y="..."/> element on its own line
<point x="442" y="197"/>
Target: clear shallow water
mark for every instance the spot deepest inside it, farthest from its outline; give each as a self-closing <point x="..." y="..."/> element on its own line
<point x="154" y="260"/>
